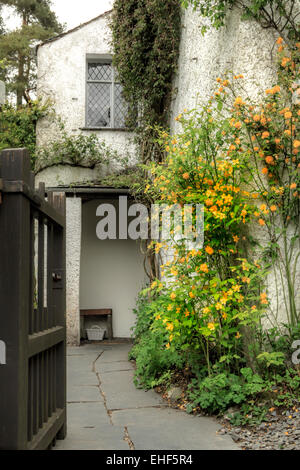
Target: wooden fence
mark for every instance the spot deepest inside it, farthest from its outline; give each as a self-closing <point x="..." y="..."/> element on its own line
<point x="32" y="309"/>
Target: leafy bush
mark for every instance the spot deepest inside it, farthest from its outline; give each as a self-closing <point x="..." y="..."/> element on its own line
<point x="18" y="126"/>
<point x="153" y="360"/>
<point x="240" y="160"/>
<point x="219" y="392"/>
<point x="80" y="150"/>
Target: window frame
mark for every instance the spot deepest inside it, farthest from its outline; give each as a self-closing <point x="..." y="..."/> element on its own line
<point x="103" y="59"/>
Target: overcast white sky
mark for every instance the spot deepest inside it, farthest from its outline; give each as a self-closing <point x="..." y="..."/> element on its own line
<point x="71" y="12"/>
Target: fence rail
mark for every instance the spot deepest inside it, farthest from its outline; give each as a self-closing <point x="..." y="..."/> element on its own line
<point x="32" y="309"/>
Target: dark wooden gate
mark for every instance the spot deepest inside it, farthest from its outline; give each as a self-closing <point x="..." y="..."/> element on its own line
<point x="32" y="309"/>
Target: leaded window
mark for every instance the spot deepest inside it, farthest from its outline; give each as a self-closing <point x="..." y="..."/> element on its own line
<point x="105" y="105"/>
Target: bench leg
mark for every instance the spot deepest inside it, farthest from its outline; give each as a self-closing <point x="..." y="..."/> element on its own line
<point x="109" y="327"/>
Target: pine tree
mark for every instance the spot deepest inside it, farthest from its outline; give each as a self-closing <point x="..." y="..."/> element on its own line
<point x="17" y="48"/>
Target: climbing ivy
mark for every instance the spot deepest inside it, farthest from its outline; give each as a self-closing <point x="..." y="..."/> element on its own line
<point x="145" y="39"/>
<point x="281" y="15"/>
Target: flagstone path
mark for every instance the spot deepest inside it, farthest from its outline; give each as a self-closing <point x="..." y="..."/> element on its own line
<point x="106" y="412"/>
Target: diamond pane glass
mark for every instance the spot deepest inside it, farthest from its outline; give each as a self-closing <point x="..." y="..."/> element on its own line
<point x="98" y="103"/>
<point x="120" y="107"/>
<point x="98" y="71"/>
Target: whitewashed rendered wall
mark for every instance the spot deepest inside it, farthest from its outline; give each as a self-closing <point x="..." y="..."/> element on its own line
<point x="62" y="79"/>
<point x="112" y="273"/>
<point x="73" y="257"/>
<point x="241" y="47"/>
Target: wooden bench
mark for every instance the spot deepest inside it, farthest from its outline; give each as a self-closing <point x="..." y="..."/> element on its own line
<point x="103" y="312"/>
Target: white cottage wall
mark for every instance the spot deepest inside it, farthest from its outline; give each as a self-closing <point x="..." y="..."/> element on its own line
<point x="239" y="47"/>
<point x="62" y="80"/>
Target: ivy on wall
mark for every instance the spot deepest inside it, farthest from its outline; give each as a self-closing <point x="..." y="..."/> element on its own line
<point x="145" y="38"/>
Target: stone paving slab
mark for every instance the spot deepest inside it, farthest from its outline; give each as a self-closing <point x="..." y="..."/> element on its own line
<point x="166" y="428"/>
<point x="82" y="415"/>
<point x="119" y="353"/>
<point x="104" y="437"/>
<point x="121" y="392"/>
<point x="84" y="393"/>
<point x="106" y="367"/>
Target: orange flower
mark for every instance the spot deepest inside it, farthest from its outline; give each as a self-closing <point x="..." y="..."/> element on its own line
<point x="270" y="160"/>
<point x="192" y="295"/>
<point x="211" y="326"/>
<point x="279" y="40"/>
<point x="273" y="208"/>
<point x="262" y="222"/>
<point x="285" y="60"/>
<point x="296" y="143"/>
<point x="264" y="171"/>
<point x="256" y="117"/>
<point x="263" y="299"/>
<point x="209" y="250"/>
<point x="173" y="296"/>
<point x="293" y="186"/>
<point x="204" y="268"/>
<point x="186" y="176"/>
<point x="288" y="115"/>
<point x="265" y="135"/>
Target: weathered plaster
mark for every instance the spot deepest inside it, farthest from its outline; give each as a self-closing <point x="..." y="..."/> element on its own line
<point x="73" y="253"/>
<point x="239" y="47"/>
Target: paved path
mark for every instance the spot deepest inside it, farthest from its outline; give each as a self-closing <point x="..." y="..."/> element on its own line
<point x="106" y="411"/>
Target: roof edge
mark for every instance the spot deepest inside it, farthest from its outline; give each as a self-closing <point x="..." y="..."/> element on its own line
<point x="73" y="30"/>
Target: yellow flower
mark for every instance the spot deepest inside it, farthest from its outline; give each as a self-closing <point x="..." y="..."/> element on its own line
<point x="173" y="296"/>
<point x="236" y="288"/>
<point x="211" y="326"/>
<point x="238" y="101"/>
<point x="170" y="327"/>
<point x="296" y="143"/>
<point x="205" y="310"/>
<point x="170" y="307"/>
<point x="168" y="346"/>
<point x="192" y="295"/>
<point x="238" y="335"/>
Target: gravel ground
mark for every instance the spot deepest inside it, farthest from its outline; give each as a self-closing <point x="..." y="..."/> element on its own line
<point x="280" y="432"/>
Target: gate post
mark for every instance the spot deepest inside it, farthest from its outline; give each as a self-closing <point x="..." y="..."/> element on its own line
<point x="14" y="299"/>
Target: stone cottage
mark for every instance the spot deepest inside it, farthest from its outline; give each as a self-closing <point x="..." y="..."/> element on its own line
<point x="75" y="72"/>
